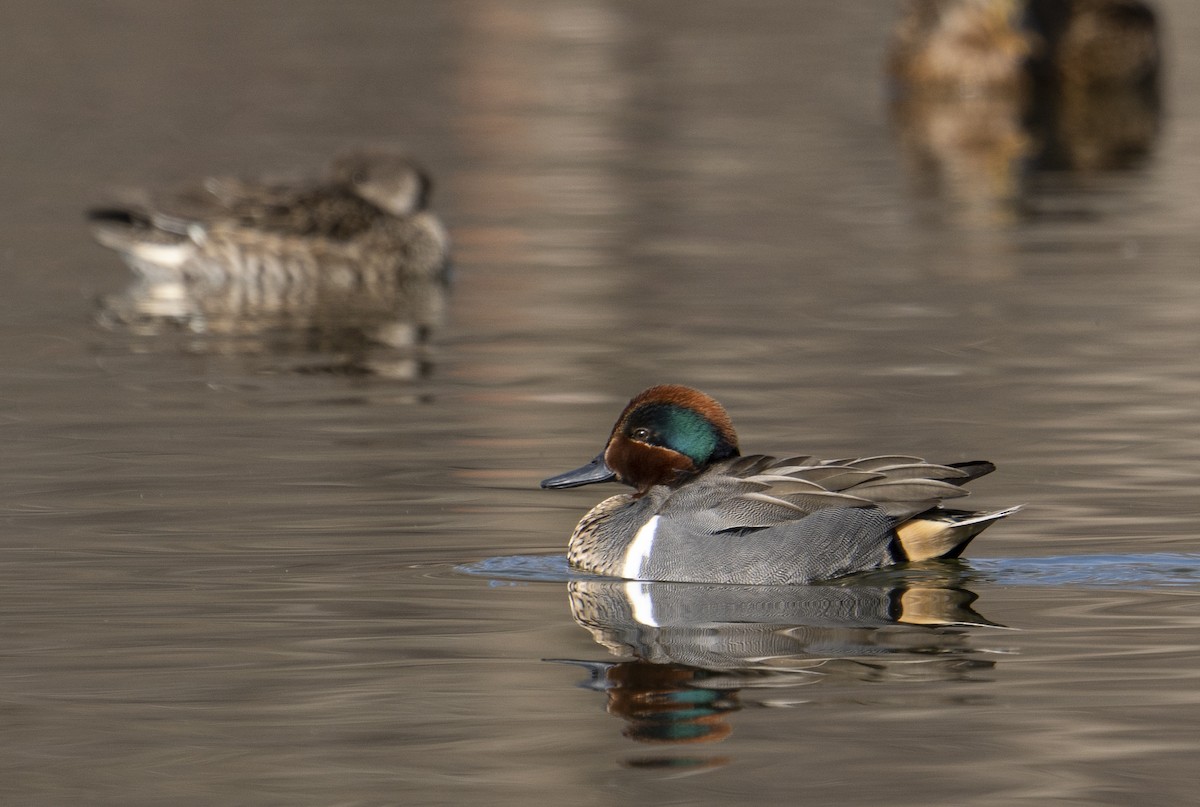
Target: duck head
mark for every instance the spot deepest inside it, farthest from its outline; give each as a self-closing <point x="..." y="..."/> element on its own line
<point x="665" y="436"/>
<point x="392" y="182"/>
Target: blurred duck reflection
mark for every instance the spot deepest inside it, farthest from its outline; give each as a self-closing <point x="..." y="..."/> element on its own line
<point x="986" y="88"/>
<point x="351" y="267"/>
<point x="697" y="649"/>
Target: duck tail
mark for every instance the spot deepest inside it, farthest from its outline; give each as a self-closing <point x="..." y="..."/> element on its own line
<point x="135" y="234"/>
<point x="114" y="226"/>
<point x="943" y="533"/>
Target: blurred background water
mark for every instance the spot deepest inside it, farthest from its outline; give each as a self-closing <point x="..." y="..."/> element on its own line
<point x="229" y="559"/>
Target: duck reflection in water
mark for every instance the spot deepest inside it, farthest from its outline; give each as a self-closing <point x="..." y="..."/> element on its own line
<point x="983" y="90"/>
<point x="351" y="267"/>
<point x="695" y="653"/>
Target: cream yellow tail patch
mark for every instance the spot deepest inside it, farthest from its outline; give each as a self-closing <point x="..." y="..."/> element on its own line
<point x="925" y="538"/>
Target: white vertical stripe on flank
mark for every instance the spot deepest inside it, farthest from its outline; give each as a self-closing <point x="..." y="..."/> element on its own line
<point x="639" y="550"/>
<point x="640" y="603"/>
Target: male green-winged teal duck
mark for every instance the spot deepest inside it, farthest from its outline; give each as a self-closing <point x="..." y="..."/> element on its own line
<point x="366" y="218"/>
<point x="702" y="512"/>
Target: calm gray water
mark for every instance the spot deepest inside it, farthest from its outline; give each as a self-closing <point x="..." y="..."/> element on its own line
<point x="246" y="570"/>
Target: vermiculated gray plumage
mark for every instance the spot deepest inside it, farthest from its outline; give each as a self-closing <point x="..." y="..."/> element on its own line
<point x="764" y="521"/>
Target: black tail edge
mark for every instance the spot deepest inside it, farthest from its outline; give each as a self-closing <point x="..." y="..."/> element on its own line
<point x="118" y="215"/>
<point x="974" y="469"/>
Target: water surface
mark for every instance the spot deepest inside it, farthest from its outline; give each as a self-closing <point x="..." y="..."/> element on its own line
<point x="232" y="569"/>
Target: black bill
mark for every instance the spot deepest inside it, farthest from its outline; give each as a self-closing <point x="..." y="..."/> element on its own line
<point x="594" y="471"/>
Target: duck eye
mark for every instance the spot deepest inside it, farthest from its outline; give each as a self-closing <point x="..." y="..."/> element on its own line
<point x="641" y="433"/>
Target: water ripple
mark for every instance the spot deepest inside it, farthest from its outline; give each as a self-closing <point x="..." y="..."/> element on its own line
<point x="523" y="568"/>
<point x="1151" y="570"/>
